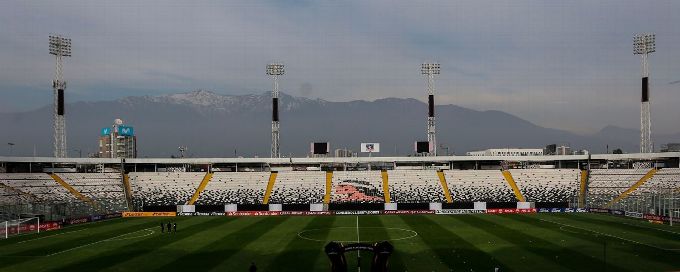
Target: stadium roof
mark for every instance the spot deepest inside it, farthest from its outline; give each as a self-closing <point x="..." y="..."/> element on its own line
<point x="632" y="156"/>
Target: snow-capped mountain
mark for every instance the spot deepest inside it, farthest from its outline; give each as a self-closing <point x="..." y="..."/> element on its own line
<point x="212" y="124"/>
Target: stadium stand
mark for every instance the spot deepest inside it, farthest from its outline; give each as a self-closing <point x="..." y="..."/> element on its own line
<point x="664" y="180"/>
<point x="299" y="187"/>
<point x="547" y="185"/>
<point x="38" y="184"/>
<point x="164" y="188"/>
<point x="479" y="185"/>
<point x="106" y="189"/>
<point x="607" y="184"/>
<point x="415" y="186"/>
<point x="357" y="186"/>
<point x="234" y="188"/>
<point x="9" y="195"/>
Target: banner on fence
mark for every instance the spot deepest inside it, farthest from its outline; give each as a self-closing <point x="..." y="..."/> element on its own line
<point x="459" y="211"/>
<point x="149" y="214"/>
<point x="502" y="211"/>
<point x="357" y="212"/>
<point x="634" y="214"/>
<point x="409" y="212"/>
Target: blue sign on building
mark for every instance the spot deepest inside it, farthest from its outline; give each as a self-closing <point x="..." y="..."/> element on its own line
<point x="106" y="131"/>
<point x="125" y="131"/>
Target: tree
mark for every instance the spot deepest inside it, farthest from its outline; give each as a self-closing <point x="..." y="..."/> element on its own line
<point x="617" y="151"/>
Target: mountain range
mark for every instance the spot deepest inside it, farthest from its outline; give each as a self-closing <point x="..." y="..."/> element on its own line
<point x="216" y="125"/>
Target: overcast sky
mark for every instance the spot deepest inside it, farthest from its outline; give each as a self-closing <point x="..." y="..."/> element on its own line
<point x="560" y="64"/>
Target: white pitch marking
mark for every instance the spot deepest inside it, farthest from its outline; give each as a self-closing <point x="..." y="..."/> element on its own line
<point x="149" y="232"/>
<point x="358" y="251"/>
<point x="93" y="243"/>
<point x="645" y="227"/>
<point x="50" y="236"/>
<point x="413" y="233"/>
<point x="614" y="236"/>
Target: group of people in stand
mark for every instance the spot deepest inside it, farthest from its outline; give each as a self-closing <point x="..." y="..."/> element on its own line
<point x="171" y="227"/>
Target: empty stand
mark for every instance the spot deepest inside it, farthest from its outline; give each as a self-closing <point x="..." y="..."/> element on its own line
<point x="547" y="185"/>
<point x="606" y="184"/>
<point x="164" y="188"/>
<point x="299" y="187"/>
<point x="39" y="184"/>
<point x="415" y="186"/>
<point x="479" y="185"/>
<point x="235" y="188"/>
<point x="105" y="189"/>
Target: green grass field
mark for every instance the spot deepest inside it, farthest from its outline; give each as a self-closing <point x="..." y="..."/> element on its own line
<point x="530" y="242"/>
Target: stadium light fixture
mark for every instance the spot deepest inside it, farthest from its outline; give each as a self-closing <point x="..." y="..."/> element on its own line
<point x="430" y="70"/>
<point x="643" y="45"/>
<point x="60" y="47"/>
<point x="275" y="70"/>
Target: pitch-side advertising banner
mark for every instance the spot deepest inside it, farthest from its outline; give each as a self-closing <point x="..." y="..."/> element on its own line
<point x="459" y="211"/>
<point x="409" y="212"/>
<point x="370" y="147"/>
<point x="502" y="211"/>
<point x="148" y="214"/>
<point x="275" y="213"/>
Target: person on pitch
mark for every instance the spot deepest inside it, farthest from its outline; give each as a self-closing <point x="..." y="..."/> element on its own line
<point x="162" y="227"/>
<point x="174" y="227"/>
<point x="169" y="227"/>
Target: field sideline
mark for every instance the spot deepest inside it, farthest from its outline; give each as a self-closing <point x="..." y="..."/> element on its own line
<point x="529" y="242"/>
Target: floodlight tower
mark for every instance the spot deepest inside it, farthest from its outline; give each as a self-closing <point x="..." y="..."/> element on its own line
<point x="275" y="70"/>
<point x="429" y="70"/>
<point x="59" y="47"/>
<point x="643" y="44"/>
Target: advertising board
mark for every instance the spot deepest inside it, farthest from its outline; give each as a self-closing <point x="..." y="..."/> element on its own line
<point x="149" y="214"/>
<point x="503" y="211"/>
<point x="459" y="211"/>
<point x="409" y="212"/>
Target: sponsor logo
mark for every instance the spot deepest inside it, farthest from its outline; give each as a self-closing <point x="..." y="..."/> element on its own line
<point x="200" y="214"/>
<point x="252" y="213"/>
<point x="78" y="220"/>
<point x="459" y="211"/>
<point x="581" y="210"/>
<point x="113" y="215"/>
<point x="597" y="210"/>
<point x="148" y="214"/>
<point x="617" y="212"/>
<point x="634" y="214"/>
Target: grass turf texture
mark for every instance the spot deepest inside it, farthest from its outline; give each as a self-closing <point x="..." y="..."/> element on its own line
<point x="533" y="242"/>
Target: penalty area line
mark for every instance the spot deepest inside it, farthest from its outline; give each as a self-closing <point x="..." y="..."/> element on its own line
<point x="610" y="235"/>
<point x="97" y="242"/>
<point x="48" y="236"/>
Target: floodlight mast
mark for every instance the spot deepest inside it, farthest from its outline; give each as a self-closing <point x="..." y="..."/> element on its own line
<point x="430" y="70"/>
<point x="643" y="44"/>
<point x="59" y="47"/>
<point x="275" y="70"/>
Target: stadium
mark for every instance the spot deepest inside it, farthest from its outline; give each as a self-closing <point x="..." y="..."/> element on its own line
<point x="469" y="213"/>
<point x="500" y="209"/>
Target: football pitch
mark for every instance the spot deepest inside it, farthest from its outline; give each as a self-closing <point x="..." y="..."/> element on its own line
<point x="481" y="242"/>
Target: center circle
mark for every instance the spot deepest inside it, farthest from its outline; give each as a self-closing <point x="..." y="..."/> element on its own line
<point x="353" y="235"/>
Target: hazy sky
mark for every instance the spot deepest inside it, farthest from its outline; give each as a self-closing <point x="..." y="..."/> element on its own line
<point x="560" y="64"/>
